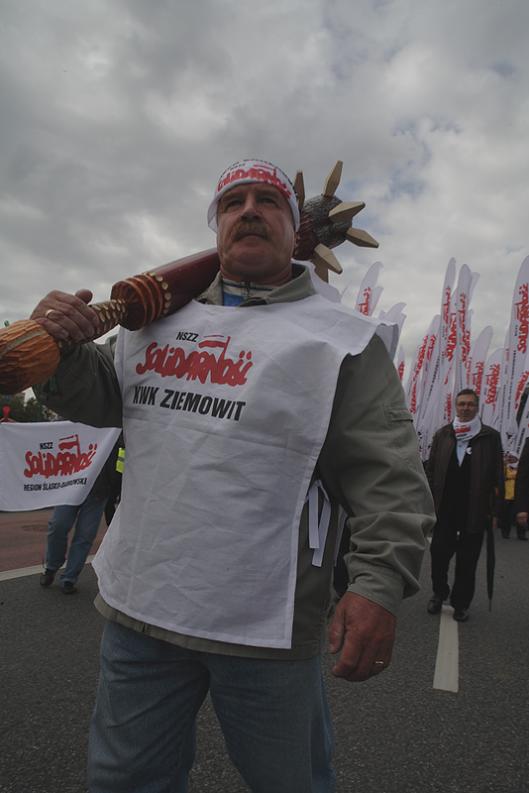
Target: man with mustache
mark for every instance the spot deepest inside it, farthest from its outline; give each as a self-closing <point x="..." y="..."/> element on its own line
<point x="215" y="574"/>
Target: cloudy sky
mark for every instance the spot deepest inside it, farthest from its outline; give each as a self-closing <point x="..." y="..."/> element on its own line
<point x="117" y="116"/>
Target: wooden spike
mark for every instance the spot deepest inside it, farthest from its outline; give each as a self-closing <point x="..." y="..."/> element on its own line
<point x="299" y="189"/>
<point x="333" y="180"/>
<point x="346" y="211"/>
<point x="361" y="238"/>
<point x="324" y="257"/>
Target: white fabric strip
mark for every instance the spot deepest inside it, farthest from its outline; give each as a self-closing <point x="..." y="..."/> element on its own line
<point x="318" y="526"/>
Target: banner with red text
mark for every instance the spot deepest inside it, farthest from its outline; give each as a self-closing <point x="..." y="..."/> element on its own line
<point x="514" y="371"/>
<point x="50" y="463"/>
<point x="478" y="358"/>
<point x="465" y="286"/>
<point x="448" y="341"/>
<point x="491" y="388"/>
<point x="369" y="293"/>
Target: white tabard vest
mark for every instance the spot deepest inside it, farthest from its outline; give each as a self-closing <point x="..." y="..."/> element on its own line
<point x="225" y="411"/>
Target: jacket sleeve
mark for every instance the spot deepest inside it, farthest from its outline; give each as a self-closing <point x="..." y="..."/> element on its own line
<point x="500" y="475"/>
<point x="430" y="463"/>
<point x="521" y="487"/>
<point x="370" y="463"/>
<point x="85" y="387"/>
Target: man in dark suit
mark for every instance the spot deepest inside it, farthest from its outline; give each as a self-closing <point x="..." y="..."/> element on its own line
<point x="465" y="471"/>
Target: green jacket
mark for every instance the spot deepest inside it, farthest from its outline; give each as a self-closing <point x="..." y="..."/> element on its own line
<point x="369" y="465"/>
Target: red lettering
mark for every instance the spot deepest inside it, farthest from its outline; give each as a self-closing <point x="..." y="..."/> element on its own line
<point x="259" y="174"/>
<point x="492" y="380"/>
<point x="522" y="315"/>
<point x="446" y="306"/>
<point x="477" y="376"/>
<point x="198" y="364"/>
<point x="451" y="341"/>
<point x="520" y="387"/>
<point x="365" y="306"/>
<point x="66" y="463"/>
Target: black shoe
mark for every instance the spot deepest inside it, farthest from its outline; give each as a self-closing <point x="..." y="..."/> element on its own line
<point x="434" y="605"/>
<point x="460" y="615"/>
<point x="522" y="537"/>
<point x="69" y="588"/>
<point x="46" y="578"/>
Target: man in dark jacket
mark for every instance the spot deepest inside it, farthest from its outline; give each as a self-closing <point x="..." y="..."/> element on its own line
<point x="465" y="471"/>
<point x="521" y="493"/>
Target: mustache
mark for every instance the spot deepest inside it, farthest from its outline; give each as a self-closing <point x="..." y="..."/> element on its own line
<point x="246" y="228"/>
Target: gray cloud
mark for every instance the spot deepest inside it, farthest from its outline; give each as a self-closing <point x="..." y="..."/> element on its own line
<point x="117" y="117"/>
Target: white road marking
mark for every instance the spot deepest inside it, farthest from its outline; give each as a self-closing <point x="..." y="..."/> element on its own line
<point x="23" y="571"/>
<point x="446" y="675"/>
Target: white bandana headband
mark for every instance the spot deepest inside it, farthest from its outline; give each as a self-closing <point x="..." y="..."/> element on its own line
<point x="247" y="171"/>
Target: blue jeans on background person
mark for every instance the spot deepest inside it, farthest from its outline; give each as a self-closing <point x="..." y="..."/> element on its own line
<point x="273" y="715"/>
<point x="87" y="517"/>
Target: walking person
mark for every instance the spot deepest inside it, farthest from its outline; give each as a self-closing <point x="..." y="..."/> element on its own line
<point x="84" y="519"/>
<point x="465" y="471"/>
<point x="242" y="413"/>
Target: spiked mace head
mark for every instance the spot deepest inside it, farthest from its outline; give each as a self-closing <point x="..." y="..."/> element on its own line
<point x="326" y="223"/>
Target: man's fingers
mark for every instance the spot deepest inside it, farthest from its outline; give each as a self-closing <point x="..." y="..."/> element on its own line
<point x="348" y="661"/>
<point x="359" y="659"/>
<point x="67" y="317"/>
<point x="365" y="633"/>
<point x="336" y="632"/>
<point x="84" y="294"/>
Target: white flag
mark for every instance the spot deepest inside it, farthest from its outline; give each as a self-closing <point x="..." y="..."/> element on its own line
<point x="448" y="342"/>
<point x="369" y="293"/>
<point x="478" y="356"/>
<point x="491" y="388"/>
<point x="514" y="360"/>
<point x="413" y="385"/>
<point x="45" y="464"/>
<point x="465" y="286"/>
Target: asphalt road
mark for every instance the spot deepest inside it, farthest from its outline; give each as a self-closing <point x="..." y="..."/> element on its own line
<point x="394" y="733"/>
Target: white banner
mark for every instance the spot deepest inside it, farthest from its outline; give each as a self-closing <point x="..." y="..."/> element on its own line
<point x="513" y="374"/>
<point x="413" y="385"/>
<point x="480" y="350"/>
<point x="465" y="286"/>
<point x="369" y="293"/>
<point x="50" y="463"/>
<point x="491" y="388"/>
<point x="448" y="341"/>
<point x="430" y="371"/>
<point x="394" y="316"/>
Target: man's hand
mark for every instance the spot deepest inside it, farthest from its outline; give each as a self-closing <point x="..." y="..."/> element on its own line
<point x="365" y="633"/>
<point x="521" y="519"/>
<point x="67" y="317"/>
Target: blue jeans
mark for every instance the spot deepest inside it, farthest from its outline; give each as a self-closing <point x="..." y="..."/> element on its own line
<point x="273" y="715"/>
<point x="86" y="517"/>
